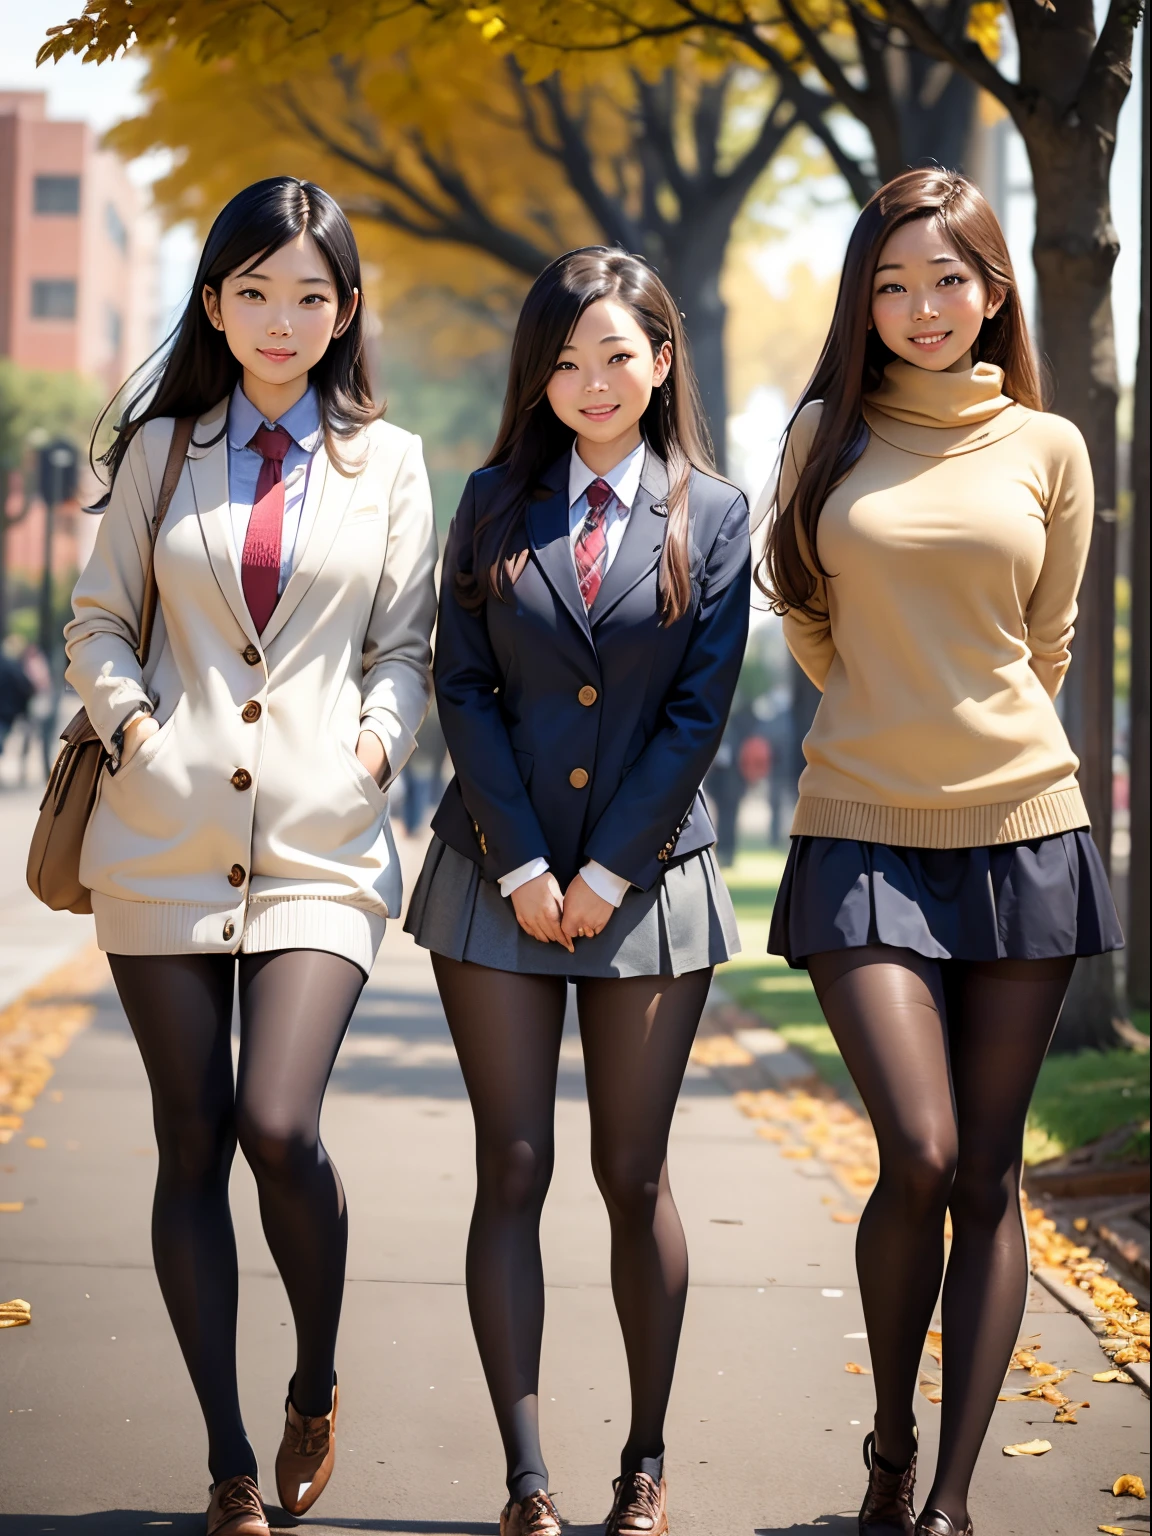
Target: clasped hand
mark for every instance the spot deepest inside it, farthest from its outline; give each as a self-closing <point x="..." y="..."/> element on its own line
<point x="546" y="914"/>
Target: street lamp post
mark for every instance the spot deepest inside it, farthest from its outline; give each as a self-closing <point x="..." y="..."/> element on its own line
<point x="57" y="464"/>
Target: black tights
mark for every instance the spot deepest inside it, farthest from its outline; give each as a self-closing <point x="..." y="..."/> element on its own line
<point x="294" y="1009"/>
<point x="637" y="1033"/>
<point x="945" y="1056"/>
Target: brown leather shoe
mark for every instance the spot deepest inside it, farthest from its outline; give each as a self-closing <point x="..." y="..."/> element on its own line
<point x="236" y="1509"/>
<point x="887" y="1506"/>
<point x="534" y="1516"/>
<point x="639" y="1508"/>
<point x="306" y="1456"/>
<point x="934" y="1522"/>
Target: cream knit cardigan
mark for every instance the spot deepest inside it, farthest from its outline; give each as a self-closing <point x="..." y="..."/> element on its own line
<point x="247" y="821"/>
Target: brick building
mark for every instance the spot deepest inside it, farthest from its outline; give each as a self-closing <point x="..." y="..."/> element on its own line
<point x="79" y="275"/>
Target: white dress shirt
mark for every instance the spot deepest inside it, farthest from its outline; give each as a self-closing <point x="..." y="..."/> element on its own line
<point x="624" y="479"/>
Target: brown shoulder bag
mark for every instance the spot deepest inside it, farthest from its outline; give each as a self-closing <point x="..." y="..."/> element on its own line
<point x="54" y="855"/>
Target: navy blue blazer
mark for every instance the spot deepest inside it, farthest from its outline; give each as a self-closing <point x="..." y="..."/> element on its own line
<point x="586" y="735"/>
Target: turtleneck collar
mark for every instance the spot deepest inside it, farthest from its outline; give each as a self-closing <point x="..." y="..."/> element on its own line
<point x="937" y="414"/>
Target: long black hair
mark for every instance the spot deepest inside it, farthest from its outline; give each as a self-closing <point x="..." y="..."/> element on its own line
<point x="532" y="437"/>
<point x="193" y="369"/>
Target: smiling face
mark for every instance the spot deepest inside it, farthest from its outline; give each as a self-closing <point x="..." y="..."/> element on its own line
<point x="928" y="302"/>
<point x="603" y="381"/>
<point x="278" y="317"/>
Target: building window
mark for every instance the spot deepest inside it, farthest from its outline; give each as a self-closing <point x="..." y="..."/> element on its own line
<point x="115" y="329"/>
<point x="117" y="230"/>
<point x="56" y="194"/>
<point x="54" y="298"/>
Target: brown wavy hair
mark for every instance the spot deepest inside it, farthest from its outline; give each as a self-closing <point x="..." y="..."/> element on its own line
<point x="853" y="359"/>
<point x="532" y="437"/>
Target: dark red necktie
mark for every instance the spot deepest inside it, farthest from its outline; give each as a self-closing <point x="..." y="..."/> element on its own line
<point x="591" y="549"/>
<point x="260" y="563"/>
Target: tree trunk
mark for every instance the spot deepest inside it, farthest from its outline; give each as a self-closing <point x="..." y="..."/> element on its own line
<point x="1139" y="789"/>
<point x="695" y="283"/>
<point x="936" y="109"/>
<point x="1074" y="252"/>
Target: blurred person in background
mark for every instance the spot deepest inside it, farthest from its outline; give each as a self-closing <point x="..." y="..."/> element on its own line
<point x="241" y="834"/>
<point x="725" y="784"/>
<point x="421" y="777"/>
<point x="930" y="532"/>
<point x="593" y="616"/>
<point x="16" y="687"/>
<point x="40" y="721"/>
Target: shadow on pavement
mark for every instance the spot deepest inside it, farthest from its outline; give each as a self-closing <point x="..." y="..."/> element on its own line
<point x="831" y="1525"/>
<point x="119" y="1522"/>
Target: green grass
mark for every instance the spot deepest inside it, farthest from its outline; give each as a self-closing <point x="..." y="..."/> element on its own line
<point x="764" y="983"/>
<point x="1082" y="1097"/>
<point x="1078" y="1098"/>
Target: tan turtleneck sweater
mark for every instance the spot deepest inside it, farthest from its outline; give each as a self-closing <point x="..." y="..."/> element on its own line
<point x="956" y="546"/>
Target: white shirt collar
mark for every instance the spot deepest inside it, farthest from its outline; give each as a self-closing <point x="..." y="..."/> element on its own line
<point x="624" y="478"/>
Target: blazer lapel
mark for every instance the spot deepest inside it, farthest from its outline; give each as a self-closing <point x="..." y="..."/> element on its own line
<point x="208" y="467"/>
<point x="643" y="540"/>
<point x="325" y="503"/>
<point x="549" y="534"/>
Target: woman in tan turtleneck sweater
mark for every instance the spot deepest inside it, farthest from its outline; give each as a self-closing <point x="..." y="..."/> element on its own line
<point x="929" y="534"/>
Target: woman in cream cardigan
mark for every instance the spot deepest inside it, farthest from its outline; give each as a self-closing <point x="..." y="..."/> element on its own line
<point x="242" y="826"/>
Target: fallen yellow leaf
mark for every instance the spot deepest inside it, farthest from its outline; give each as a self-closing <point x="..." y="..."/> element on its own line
<point x="1029" y="1448"/>
<point x="1129" y="1483"/>
<point x="1041" y="1368"/>
<point x="931" y="1389"/>
<point x="1065" y="1415"/>
<point x="796" y="1153"/>
<point x="11" y="1206"/>
<point x="11" y="1122"/>
<point x="1113" y="1376"/>
<point x="1111" y="1530"/>
<point x="13" y="1314"/>
<point x="1132" y="1355"/>
<point x="720" y="1051"/>
<point x="846" y="1218"/>
<point x="35" y="1141"/>
<point x="857" y="1370"/>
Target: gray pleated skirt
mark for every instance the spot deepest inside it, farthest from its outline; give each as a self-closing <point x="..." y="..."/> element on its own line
<point x="684" y="923"/>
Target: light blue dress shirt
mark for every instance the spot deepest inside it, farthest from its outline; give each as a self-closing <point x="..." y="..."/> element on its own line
<point x="302" y="423"/>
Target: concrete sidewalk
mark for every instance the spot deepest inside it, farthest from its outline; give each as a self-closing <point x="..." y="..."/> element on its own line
<point x="102" y="1432"/>
<point x="33" y="941"/>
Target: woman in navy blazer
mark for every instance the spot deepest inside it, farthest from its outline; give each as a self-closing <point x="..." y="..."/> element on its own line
<point x="593" y="617"/>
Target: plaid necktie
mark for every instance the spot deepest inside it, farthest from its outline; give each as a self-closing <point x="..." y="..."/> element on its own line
<point x="592" y="542"/>
<point x="260" y="563"/>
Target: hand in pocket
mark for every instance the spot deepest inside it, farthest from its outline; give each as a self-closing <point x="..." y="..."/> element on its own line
<point x="135" y="734"/>
<point x="372" y="756"/>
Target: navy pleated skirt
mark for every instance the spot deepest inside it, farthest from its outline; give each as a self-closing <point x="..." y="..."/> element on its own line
<point x="1011" y="901"/>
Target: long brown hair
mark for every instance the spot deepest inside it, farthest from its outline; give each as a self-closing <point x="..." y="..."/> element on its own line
<point x="532" y="437"/>
<point x="853" y="360"/>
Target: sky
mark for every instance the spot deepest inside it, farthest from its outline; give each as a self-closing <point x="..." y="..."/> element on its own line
<point x="104" y="94"/>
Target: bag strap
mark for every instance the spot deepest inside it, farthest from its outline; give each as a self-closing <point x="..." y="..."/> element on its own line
<point x="177" y="453"/>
